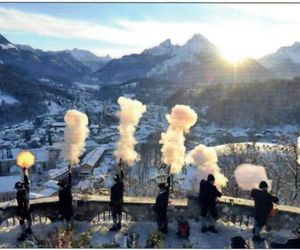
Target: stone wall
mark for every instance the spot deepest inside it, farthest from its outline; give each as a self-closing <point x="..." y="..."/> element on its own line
<point x="87" y="207"/>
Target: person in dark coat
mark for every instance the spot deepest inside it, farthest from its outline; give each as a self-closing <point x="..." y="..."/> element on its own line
<point x="65" y="200"/>
<point x="23" y="210"/>
<point x="207" y="198"/>
<point x="263" y="205"/>
<point x="116" y="199"/>
<point x="238" y="242"/>
<point x="161" y="205"/>
<point x="291" y="243"/>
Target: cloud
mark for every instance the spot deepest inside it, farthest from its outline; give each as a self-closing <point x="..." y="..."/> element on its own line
<point x="245" y="36"/>
<point x="282" y="12"/>
<point x="57" y="27"/>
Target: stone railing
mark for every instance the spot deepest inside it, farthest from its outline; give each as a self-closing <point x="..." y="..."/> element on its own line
<point x="90" y="207"/>
<point x="96" y="208"/>
<point x="241" y="211"/>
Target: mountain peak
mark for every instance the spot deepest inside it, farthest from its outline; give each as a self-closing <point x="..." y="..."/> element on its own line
<point x="165" y="47"/>
<point x="3" y="40"/>
<point x="86" y="55"/>
<point x="293" y="52"/>
<point x="295" y="45"/>
<point x="198" y="39"/>
<point x="199" y="44"/>
<point x="166" y="43"/>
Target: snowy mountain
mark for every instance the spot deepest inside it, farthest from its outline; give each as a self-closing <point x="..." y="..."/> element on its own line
<point x="197" y="61"/>
<point x="128" y="67"/>
<point x="185" y="63"/>
<point x="35" y="63"/>
<point x="285" y="62"/>
<point x="25" y="98"/>
<point x="89" y="59"/>
<point x="164" y="48"/>
<point x="5" y="44"/>
<point x="200" y="61"/>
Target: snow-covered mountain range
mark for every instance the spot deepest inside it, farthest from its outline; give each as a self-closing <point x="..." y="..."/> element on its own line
<point x="285" y="62"/>
<point x="63" y="66"/>
<point x="198" y="61"/>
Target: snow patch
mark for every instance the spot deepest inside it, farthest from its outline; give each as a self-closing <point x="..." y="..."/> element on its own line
<point x="53" y="108"/>
<point x="7" y="99"/>
<point x="8" y="46"/>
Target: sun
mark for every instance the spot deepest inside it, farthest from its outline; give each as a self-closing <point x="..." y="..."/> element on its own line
<point x="237" y="42"/>
<point x="233" y="54"/>
<point x="234" y="58"/>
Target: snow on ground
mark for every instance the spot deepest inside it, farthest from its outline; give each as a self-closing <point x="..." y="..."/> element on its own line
<point x="87" y="86"/>
<point x="8" y="99"/>
<point x="101" y="235"/>
<point x="8" y="46"/>
<point x="54" y="173"/>
<point x="54" y="108"/>
<point x="45" y="80"/>
<point x="43" y="193"/>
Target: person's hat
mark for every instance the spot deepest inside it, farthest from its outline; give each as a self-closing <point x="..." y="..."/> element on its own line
<point x="210" y="177"/>
<point x="238" y="242"/>
<point x="19" y="185"/>
<point x="263" y="184"/>
<point x="116" y="178"/>
<point x="61" y="183"/>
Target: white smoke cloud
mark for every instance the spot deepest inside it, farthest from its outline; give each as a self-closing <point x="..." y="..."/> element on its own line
<point x="75" y="133"/>
<point x="205" y="158"/>
<point x="130" y="115"/>
<point x="249" y="176"/>
<point x="181" y="119"/>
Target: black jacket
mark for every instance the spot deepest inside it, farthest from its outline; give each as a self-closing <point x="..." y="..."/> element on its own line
<point x="263" y="201"/>
<point x="117" y="192"/>
<point x="208" y="193"/>
<point x="23" y="198"/>
<point x="65" y="198"/>
<point x="293" y="243"/>
<point x="162" y="200"/>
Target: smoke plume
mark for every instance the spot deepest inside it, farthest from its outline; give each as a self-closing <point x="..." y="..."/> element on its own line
<point x="130" y="115"/>
<point x="181" y="119"/>
<point x="205" y="158"/>
<point x="75" y="133"/>
<point x="249" y="176"/>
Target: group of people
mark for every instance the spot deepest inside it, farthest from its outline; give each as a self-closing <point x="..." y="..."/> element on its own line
<point x="263" y="206"/>
<point x="208" y="194"/>
<point x="65" y="202"/>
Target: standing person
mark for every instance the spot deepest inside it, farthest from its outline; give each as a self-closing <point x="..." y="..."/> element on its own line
<point x="65" y="201"/>
<point x="290" y="243"/>
<point x="23" y="210"/>
<point x="116" y="199"/>
<point x="161" y="205"/>
<point x="263" y="205"/>
<point x="207" y="197"/>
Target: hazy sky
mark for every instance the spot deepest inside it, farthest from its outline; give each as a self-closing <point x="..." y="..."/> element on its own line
<point x="117" y="29"/>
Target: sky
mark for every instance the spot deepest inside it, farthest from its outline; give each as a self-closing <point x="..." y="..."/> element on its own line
<point x="117" y="29"/>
